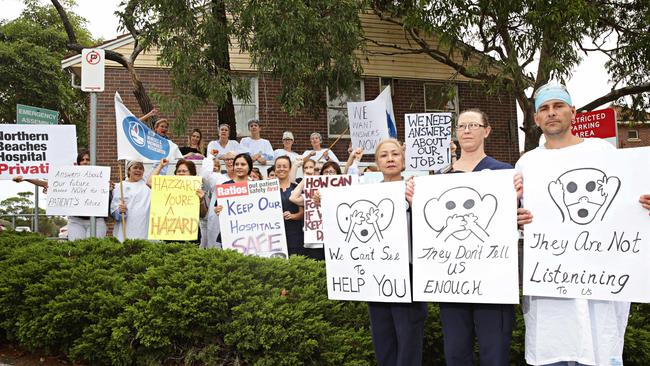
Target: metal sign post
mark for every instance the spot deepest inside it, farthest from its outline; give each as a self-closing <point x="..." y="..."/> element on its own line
<point x="92" y="81"/>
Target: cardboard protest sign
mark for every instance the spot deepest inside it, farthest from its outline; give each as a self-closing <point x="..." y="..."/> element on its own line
<point x="590" y="237"/>
<point x="251" y="219"/>
<point x="174" y="212"/>
<point x="428" y="141"/>
<point x="78" y="191"/>
<point x="465" y="245"/>
<point x="366" y="243"/>
<point x="29" y="150"/>
<point x="371" y="122"/>
<point x="136" y="141"/>
<point x="313" y="217"/>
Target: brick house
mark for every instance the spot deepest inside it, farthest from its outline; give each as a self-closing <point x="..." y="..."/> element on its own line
<point x="418" y="84"/>
<point x="631" y="132"/>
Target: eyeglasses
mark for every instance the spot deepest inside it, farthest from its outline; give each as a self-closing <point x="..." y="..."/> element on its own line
<point x="182" y="171"/>
<point x="470" y="125"/>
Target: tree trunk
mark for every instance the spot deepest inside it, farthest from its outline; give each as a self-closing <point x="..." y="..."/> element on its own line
<point x="221" y="58"/>
<point x="531" y="130"/>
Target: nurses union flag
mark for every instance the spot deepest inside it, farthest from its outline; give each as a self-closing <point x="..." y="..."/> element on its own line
<point x="136" y="141"/>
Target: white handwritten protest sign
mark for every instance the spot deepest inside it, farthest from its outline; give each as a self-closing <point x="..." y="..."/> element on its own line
<point x="465" y="245"/>
<point x="371" y="122"/>
<point x="428" y="140"/>
<point x="251" y="219"/>
<point x="30" y="150"/>
<point x="78" y="190"/>
<point x="366" y="243"/>
<point x="313" y="216"/>
<point x="590" y="237"/>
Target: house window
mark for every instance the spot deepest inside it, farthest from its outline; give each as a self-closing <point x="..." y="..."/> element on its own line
<point x="440" y="97"/>
<point x="246" y="110"/>
<point x="337" y="109"/>
<point x="385" y="82"/>
<point x="632" y="134"/>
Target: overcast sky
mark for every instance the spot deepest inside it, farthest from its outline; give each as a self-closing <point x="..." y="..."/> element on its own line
<point x="589" y="81"/>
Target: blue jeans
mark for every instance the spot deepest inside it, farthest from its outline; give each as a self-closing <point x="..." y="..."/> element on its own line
<point x="566" y="363"/>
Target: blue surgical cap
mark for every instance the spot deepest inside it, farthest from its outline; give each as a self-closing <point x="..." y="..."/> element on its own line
<point x="551" y="92"/>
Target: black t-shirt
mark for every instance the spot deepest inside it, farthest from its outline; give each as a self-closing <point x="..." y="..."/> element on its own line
<point x="186" y="150"/>
<point x="292" y="228"/>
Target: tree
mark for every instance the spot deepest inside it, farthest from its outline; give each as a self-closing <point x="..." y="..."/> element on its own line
<point x="23" y="203"/>
<point x="521" y="45"/>
<point x="76" y="44"/>
<point x="307" y="45"/>
<point x="31" y="49"/>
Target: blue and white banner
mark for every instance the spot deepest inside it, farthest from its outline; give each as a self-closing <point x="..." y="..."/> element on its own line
<point x="136" y="141"/>
<point x="372" y="121"/>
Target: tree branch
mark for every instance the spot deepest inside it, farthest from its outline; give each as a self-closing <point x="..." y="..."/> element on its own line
<point x="72" y="37"/>
<point x="614" y="95"/>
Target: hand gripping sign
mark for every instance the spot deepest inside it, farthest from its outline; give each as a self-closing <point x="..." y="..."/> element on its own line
<point x="366" y="243"/>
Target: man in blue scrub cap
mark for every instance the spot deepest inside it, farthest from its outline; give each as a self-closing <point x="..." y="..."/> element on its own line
<point x="559" y="331"/>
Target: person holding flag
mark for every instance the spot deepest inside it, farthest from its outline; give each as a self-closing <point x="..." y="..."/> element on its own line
<point x="136" y="143"/>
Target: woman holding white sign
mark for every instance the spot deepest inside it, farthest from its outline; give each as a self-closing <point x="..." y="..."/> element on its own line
<point x="397" y="328"/>
<point x="79" y="226"/>
<point x="491" y="324"/>
<point x="134" y="206"/>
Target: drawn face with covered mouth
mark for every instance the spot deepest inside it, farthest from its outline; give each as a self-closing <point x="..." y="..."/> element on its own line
<point x="460" y="212"/>
<point x="364" y="219"/>
<point x="581" y="194"/>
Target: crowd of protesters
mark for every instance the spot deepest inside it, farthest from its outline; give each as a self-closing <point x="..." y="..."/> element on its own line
<point x="397" y="329"/>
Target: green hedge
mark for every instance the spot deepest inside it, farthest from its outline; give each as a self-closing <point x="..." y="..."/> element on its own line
<point x="102" y="302"/>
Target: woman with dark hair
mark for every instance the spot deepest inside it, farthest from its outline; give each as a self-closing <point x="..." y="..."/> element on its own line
<point x="242" y="167"/>
<point x="194" y="149"/>
<point x="330" y="168"/>
<point x="223" y="145"/>
<point x="293" y="214"/>
<point x="256" y="174"/>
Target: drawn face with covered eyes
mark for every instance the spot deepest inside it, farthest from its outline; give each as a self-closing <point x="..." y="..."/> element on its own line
<point x="460" y="212"/>
<point x="364" y="219"/>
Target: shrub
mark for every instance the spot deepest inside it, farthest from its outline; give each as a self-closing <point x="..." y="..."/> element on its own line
<point x="137" y="303"/>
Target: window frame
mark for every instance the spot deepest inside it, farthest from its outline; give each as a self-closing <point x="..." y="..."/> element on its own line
<point x="254" y="80"/>
<point x="454" y="112"/>
<point x="636" y="132"/>
<point x="344" y="109"/>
